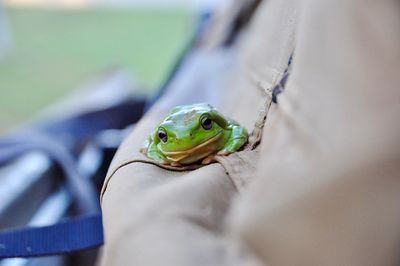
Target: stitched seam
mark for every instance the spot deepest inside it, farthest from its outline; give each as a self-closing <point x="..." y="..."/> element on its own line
<point x="166" y="167"/>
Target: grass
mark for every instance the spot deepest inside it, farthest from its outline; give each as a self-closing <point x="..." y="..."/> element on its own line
<point x="54" y="50"/>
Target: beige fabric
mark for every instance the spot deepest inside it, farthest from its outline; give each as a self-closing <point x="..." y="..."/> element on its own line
<point x="328" y="188"/>
<point x="323" y="186"/>
<point x="224" y="20"/>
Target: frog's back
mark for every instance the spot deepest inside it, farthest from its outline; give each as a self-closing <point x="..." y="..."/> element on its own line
<point x="197" y="107"/>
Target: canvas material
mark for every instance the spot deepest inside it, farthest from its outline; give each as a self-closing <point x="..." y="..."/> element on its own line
<point x="230" y="18"/>
<point x="328" y="187"/>
<point x="321" y="187"/>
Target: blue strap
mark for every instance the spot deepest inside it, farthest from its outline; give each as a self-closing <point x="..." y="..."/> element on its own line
<point x="81" y="189"/>
<point x="70" y="235"/>
<point x="81" y="232"/>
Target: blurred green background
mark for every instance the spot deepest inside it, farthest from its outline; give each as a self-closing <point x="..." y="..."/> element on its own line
<point x="55" y="50"/>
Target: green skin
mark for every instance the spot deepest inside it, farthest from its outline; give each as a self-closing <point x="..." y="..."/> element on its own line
<point x="188" y="140"/>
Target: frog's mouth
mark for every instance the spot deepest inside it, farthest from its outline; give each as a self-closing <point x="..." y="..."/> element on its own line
<point x="206" y="147"/>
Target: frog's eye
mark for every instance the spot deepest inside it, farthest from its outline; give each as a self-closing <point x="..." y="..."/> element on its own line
<point x="206" y="122"/>
<point x="162" y="135"/>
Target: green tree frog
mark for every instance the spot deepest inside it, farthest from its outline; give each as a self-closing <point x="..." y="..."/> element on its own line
<point x="192" y="133"/>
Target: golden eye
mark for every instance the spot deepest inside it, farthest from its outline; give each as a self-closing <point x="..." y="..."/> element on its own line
<point x="206" y="122"/>
<point x="162" y="135"/>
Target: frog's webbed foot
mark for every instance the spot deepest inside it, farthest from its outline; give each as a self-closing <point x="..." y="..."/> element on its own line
<point x="163" y="162"/>
<point x="143" y="150"/>
<point x="151" y="152"/>
<point x="174" y="164"/>
<point x="209" y="159"/>
<point x="224" y="152"/>
<point x="157" y="157"/>
<point x="237" y="140"/>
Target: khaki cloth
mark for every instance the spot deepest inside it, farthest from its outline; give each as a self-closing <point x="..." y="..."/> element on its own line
<point x="318" y="183"/>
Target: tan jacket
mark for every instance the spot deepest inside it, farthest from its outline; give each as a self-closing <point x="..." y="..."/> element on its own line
<point x="318" y="182"/>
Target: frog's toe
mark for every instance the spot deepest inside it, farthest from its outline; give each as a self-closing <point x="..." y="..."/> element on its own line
<point x="208" y="159"/>
<point x="143" y="150"/>
<point x="175" y="164"/>
<point x="224" y="152"/>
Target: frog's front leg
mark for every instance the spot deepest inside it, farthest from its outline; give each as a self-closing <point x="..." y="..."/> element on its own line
<point x="155" y="154"/>
<point x="237" y="139"/>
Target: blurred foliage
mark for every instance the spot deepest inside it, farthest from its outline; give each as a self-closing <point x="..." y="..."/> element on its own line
<point x="54" y="50"/>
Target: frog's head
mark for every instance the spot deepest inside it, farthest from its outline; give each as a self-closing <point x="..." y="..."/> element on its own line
<point x="191" y="130"/>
